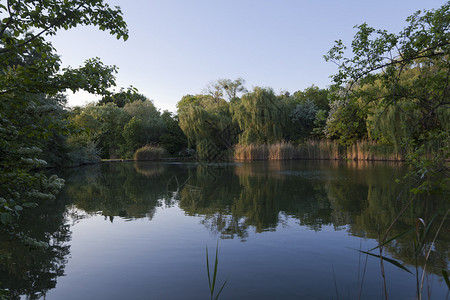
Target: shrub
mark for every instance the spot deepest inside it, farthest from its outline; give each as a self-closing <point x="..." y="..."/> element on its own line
<point x="149" y="153"/>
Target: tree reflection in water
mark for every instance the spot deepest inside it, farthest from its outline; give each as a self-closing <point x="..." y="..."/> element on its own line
<point x="231" y="200"/>
<point x="30" y="265"/>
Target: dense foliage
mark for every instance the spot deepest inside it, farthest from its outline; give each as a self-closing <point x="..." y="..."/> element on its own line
<point x="32" y="119"/>
<point x="402" y="80"/>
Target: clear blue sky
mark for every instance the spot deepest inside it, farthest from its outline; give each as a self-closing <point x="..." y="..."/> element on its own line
<point x="176" y="47"/>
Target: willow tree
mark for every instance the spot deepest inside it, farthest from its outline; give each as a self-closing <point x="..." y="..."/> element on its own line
<point x="233" y="87"/>
<point x="391" y="124"/>
<point x="204" y="120"/>
<point x="260" y="117"/>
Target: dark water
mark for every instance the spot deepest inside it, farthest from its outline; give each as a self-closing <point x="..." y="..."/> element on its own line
<point x="285" y="230"/>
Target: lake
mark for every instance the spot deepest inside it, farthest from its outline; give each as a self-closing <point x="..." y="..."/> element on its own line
<point x="284" y="230"/>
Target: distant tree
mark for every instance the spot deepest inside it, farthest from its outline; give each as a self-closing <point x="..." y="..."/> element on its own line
<point x="346" y="122"/>
<point x="260" y="117"/>
<point x="232" y="87"/>
<point x="134" y="136"/>
<point x="123" y="97"/>
<point x="319" y="124"/>
<point x="174" y="140"/>
<point x="214" y="90"/>
<point x="302" y="118"/>
<point x="105" y="125"/>
<point x="318" y="96"/>
<point x="188" y="100"/>
<point x="148" y="122"/>
<point x="203" y="120"/>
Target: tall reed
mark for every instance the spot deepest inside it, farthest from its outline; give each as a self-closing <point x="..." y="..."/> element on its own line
<point x="282" y="150"/>
<point x="371" y="150"/>
<point x="318" y="149"/>
<point x="251" y="152"/>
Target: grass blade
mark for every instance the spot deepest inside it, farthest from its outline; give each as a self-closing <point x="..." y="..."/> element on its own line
<point x="207" y="268"/>
<point x="220" y="291"/>
<point x="389" y="260"/>
<point x="212" y="284"/>
<point x="395" y="237"/>
<point x="445" y="275"/>
<point x="216" y="262"/>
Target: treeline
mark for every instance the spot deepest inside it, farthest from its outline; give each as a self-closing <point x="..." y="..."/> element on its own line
<point x="227" y="121"/>
<point x="121" y="123"/>
<point x="314" y="123"/>
<point x="387" y="102"/>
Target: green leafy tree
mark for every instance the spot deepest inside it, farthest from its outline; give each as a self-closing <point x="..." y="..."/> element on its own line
<point x="302" y="118"/>
<point x="123" y="97"/>
<point x="318" y="96"/>
<point x="153" y="125"/>
<point x="133" y="133"/>
<point x="233" y="87"/>
<point x="230" y="88"/>
<point x="412" y="72"/>
<point x="188" y="100"/>
<point x="407" y="76"/>
<point x="30" y="67"/>
<point x="174" y="140"/>
<point x="104" y="125"/>
<point x="260" y="117"/>
<point x="346" y="122"/>
<point x="203" y="120"/>
<point x="319" y="123"/>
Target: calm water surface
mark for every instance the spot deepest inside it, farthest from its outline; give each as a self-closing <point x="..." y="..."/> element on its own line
<point x="285" y="230"/>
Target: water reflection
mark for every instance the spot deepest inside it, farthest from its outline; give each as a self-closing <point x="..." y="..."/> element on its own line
<point x="361" y="197"/>
<point x="31" y="265"/>
<point x="232" y="201"/>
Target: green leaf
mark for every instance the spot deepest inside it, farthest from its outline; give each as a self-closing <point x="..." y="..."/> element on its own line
<point x="389" y="260"/>
<point x="5" y="218"/>
<point x="445" y="275"/>
<point x="395" y="237"/>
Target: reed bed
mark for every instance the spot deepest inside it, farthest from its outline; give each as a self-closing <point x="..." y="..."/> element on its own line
<point x="282" y="150"/>
<point x="149" y="153"/>
<point x="370" y="150"/>
<point x="318" y="149"/>
<point x="251" y="152"/>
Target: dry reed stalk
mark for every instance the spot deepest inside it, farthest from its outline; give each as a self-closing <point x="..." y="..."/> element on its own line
<point x="362" y="150"/>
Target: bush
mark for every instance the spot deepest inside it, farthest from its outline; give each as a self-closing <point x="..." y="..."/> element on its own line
<point x="149" y="153"/>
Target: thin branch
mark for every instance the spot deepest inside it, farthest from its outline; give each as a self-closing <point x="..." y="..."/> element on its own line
<point x="34" y="37"/>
